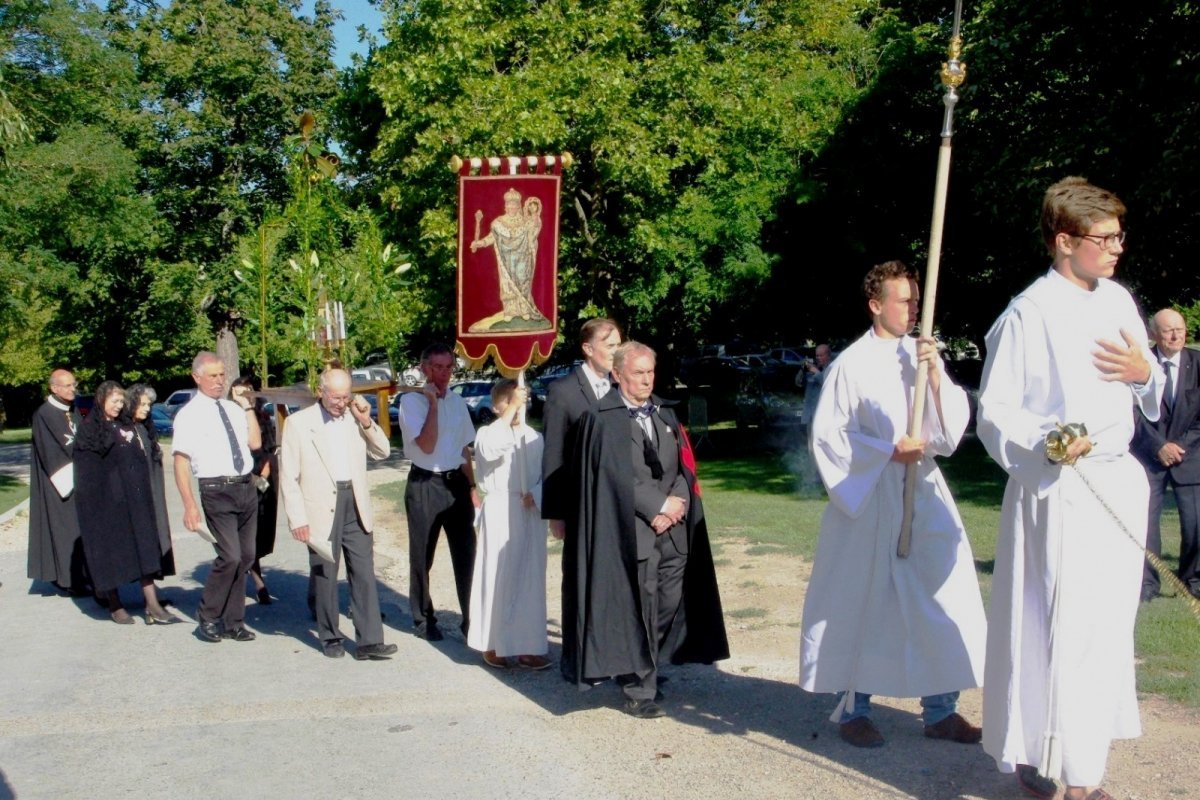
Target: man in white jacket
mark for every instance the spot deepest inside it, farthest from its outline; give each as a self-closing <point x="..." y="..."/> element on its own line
<point x="323" y="478"/>
<point x="875" y="623"/>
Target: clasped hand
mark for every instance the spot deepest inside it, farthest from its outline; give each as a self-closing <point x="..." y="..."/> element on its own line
<point x="672" y="514"/>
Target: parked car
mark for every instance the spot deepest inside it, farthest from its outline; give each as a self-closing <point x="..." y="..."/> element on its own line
<point x="478" y="396"/>
<point x="377" y="372"/>
<point x="412" y="376"/>
<point x="720" y="371"/>
<point x="758" y="405"/>
<point x="164" y="425"/>
<point x="177" y="399"/>
<point x="539" y="387"/>
<point x="393" y="409"/>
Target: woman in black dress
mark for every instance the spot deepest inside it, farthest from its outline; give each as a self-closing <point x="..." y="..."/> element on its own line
<point x="136" y="415"/>
<point x="115" y="507"/>
<point x="266" y="468"/>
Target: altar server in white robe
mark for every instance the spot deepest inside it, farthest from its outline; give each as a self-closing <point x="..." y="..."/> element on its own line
<point x="875" y="623"/>
<point x="1072" y="348"/>
<point x="508" y="598"/>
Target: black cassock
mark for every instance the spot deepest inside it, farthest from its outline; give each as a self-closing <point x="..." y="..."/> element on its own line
<point x="603" y="630"/>
<point x="55" y="551"/>
<point x="115" y="505"/>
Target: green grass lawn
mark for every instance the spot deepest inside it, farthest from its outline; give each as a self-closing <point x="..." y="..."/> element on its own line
<point x="12" y="491"/>
<point x="758" y="498"/>
<point x="16" y="436"/>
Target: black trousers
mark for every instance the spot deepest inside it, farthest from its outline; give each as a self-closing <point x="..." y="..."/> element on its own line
<point x="661" y="577"/>
<point x="231" y="511"/>
<point x="349" y="539"/>
<point x="1187" y="498"/>
<point x="433" y="502"/>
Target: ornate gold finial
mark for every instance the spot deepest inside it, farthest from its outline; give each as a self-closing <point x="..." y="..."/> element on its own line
<point x="567" y="160"/>
<point x="1059" y="439"/>
<point x="455" y="163"/>
<point x="954" y="71"/>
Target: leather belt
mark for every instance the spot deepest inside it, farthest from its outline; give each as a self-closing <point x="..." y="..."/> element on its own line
<point x="344" y="484"/>
<point x="224" y="480"/>
<point x="428" y="473"/>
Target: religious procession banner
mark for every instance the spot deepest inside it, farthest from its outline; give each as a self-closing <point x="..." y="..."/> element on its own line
<point x="508" y="260"/>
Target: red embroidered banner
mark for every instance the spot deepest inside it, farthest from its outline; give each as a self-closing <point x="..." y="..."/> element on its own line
<point x="508" y="262"/>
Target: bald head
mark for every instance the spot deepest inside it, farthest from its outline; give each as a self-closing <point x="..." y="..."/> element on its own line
<point x="335" y="391"/>
<point x="1169" y="331"/>
<point x="62" y="385"/>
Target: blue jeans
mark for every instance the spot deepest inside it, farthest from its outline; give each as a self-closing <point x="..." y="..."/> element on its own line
<point x="934" y="707"/>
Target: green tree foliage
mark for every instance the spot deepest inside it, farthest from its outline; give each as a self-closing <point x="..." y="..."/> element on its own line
<point x="79" y="240"/>
<point x="224" y="82"/>
<point x="318" y="248"/>
<point x="686" y="121"/>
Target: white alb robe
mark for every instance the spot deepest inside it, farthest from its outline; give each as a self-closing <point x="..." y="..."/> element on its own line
<point x="508" y="591"/>
<point x="874" y="622"/>
<point x="1054" y="531"/>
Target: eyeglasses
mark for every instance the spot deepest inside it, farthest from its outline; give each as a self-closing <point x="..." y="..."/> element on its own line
<point x="1105" y="241"/>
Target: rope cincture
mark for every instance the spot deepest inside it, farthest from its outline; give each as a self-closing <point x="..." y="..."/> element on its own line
<point x="1057" y="442"/>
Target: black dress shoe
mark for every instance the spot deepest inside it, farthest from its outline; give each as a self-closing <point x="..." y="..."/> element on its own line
<point x="374" y="652"/>
<point x="264" y="597"/>
<point x="239" y="635"/>
<point x="209" y="631"/>
<point x="333" y="648"/>
<point x="1149" y="593"/>
<point x="643" y="709"/>
<point x="429" y="631"/>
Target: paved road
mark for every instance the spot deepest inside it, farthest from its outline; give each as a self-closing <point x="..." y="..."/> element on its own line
<point x="90" y="709"/>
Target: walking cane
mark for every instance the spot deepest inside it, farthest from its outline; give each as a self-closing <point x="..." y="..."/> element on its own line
<point x="954" y="72"/>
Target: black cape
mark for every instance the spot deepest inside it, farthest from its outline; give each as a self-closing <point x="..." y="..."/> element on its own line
<point x="603" y="632"/>
<point x="158" y="491"/>
<point x="115" y="505"/>
<point x="268" y="501"/>
<point x="55" y="551"/>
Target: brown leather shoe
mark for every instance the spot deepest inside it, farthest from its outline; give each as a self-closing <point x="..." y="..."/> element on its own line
<point x="533" y="662"/>
<point x="1035" y="785"/>
<point x="860" y="732"/>
<point x="955" y="729"/>
<point x="492" y="660"/>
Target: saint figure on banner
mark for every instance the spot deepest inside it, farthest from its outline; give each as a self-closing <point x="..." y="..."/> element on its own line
<point x="514" y="237"/>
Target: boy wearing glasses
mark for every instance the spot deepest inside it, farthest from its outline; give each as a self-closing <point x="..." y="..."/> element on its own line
<point x="1069" y="350"/>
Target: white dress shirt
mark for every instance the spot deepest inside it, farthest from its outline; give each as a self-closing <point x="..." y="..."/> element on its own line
<point x="601" y="384"/>
<point x="455" y="431"/>
<point x="201" y="436"/>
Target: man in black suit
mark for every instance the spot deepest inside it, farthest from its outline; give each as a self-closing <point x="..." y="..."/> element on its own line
<point x="641" y="588"/>
<point x="1170" y="450"/>
<point x="566" y="401"/>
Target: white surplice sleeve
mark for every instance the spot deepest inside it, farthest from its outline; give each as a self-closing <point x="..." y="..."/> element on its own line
<point x="1017" y="365"/>
<point x="942" y="434"/>
<point x="849" y="459"/>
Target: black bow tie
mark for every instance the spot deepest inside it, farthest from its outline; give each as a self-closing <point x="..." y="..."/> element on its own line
<point x="643" y="411"/>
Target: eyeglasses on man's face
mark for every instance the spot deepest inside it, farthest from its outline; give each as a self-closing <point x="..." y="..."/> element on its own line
<point x="1107" y="241"/>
